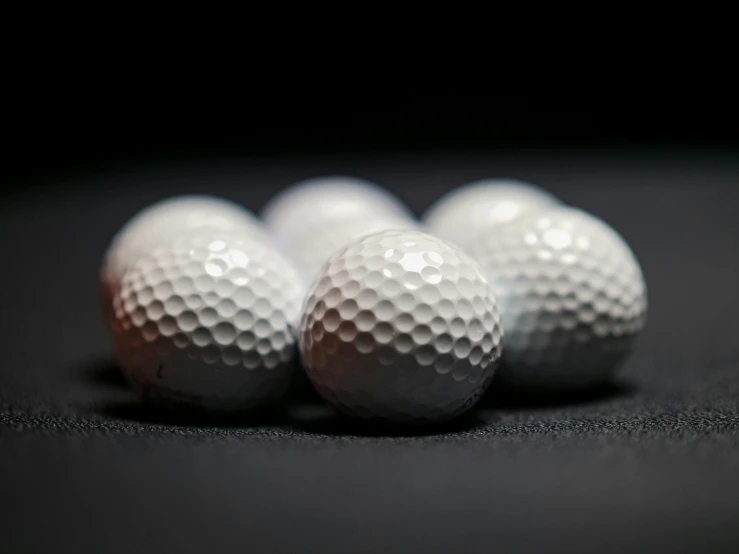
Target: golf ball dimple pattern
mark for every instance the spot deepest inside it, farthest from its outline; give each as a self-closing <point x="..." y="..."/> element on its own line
<point x="572" y="296"/>
<point x="165" y="221"/>
<point x="310" y="250"/>
<point x="208" y="320"/>
<point x="403" y="326"/>
<point x="460" y="215"/>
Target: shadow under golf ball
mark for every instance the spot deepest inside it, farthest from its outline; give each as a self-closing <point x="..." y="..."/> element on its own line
<point x="103" y="373"/>
<point x="507" y="397"/>
<point x="325" y="420"/>
<point x="142" y="411"/>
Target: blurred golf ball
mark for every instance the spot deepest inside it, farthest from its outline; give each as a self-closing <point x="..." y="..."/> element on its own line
<point x="320" y="200"/>
<point x="572" y="296"/>
<point x="460" y="215"/>
<point x="312" y="219"/>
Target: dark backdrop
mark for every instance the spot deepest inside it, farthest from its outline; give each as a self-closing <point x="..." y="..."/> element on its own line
<point x="98" y="127"/>
<point x="649" y="463"/>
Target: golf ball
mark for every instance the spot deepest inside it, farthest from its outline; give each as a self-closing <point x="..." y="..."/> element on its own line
<point x="164" y="221"/>
<point x="402" y="326"/>
<point x="323" y="200"/>
<point x="461" y="214"/>
<point x="207" y="320"/>
<point x="572" y="296"/>
<point x="314" y="218"/>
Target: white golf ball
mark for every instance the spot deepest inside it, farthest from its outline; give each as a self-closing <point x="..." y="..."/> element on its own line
<point x="207" y="320"/>
<point x="164" y="221"/>
<point x="572" y="296"/>
<point x="460" y="215"/>
<point x="314" y="218"/>
<point x="402" y="326"/>
<point x="323" y="200"/>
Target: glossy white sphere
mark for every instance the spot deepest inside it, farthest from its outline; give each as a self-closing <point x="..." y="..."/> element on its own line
<point x="322" y="200"/>
<point x="402" y="326"/>
<point x="207" y="320"/>
<point x="572" y="296"/>
<point x="460" y="215"/>
<point x="312" y="219"/>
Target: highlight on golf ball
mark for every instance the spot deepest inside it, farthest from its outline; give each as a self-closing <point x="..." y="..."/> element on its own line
<point x="166" y="220"/>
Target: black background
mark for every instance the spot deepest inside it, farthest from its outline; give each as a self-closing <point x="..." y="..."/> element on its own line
<point x="650" y="463"/>
<point x="105" y="125"/>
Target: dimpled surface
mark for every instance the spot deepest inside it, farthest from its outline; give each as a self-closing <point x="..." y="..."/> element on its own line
<point x="308" y="251"/>
<point x="164" y="221"/>
<point x="313" y="219"/>
<point x="208" y="320"/>
<point x="403" y="326"/>
<point x="572" y="296"/>
<point x="461" y="214"/>
<point x="322" y="200"/>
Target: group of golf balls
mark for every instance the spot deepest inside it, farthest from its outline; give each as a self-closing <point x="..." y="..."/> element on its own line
<point x="390" y="317"/>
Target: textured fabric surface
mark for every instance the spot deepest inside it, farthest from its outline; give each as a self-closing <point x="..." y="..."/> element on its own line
<point x="649" y="463"/>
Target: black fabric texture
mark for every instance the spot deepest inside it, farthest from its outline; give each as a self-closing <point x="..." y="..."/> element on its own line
<point x="648" y="463"/>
